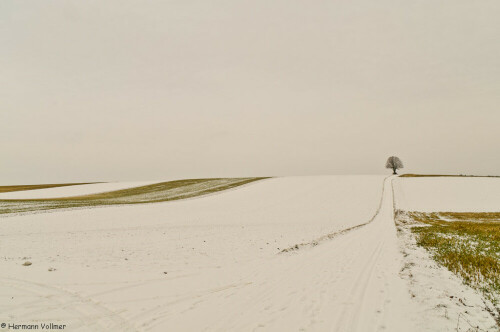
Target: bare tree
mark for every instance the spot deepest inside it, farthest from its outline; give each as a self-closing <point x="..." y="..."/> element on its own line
<point x="394" y="163"/>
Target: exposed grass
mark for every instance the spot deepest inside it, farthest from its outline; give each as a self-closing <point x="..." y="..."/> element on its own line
<point x="446" y="175"/>
<point x="468" y="244"/>
<point x="6" y="189"/>
<point x="159" y="192"/>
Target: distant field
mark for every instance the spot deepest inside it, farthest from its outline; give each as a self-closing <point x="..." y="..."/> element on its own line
<point x="159" y="192"/>
<point x="7" y="189"/>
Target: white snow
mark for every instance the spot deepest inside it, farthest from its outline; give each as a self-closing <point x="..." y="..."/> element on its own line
<point x="74" y="190"/>
<point x="448" y="194"/>
<point x="213" y="263"/>
<point x="236" y="224"/>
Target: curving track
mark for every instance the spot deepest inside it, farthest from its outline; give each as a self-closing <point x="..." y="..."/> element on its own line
<point x="348" y="284"/>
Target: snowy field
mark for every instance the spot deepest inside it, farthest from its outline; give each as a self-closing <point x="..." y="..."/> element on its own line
<point x="216" y="263"/>
<point x="133" y="259"/>
<point x="448" y="194"/>
<point x="442" y="295"/>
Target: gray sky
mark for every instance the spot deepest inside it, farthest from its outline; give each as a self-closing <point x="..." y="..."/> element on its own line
<point x="131" y="90"/>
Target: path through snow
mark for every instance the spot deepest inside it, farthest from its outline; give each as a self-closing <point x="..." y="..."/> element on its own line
<point x="348" y="284"/>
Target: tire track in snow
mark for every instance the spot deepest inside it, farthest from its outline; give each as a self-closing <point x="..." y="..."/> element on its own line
<point x="334" y="234"/>
<point x="374" y="278"/>
<point x="350" y="315"/>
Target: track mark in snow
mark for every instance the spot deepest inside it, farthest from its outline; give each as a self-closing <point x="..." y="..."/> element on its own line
<point x="332" y="235"/>
<point x="351" y="314"/>
<point x="77" y="312"/>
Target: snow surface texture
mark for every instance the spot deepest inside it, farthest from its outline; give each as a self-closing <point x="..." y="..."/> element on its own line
<point x="76" y="190"/>
<point x="448" y="194"/>
<point x="214" y="263"/>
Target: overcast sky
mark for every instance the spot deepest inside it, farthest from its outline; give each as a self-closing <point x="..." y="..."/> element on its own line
<point x="138" y="90"/>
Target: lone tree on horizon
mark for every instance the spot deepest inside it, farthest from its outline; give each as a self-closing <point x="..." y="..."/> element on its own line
<point x="395" y="163"/>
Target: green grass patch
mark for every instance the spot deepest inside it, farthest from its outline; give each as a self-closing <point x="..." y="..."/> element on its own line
<point x="468" y="244"/>
<point x="158" y="192"/>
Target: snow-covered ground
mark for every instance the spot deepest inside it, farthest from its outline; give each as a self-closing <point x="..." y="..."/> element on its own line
<point x="448" y="194"/>
<point x="443" y="299"/>
<point x="214" y="263"/>
<point x="251" y="222"/>
<point x="437" y="291"/>
<point x="76" y="190"/>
